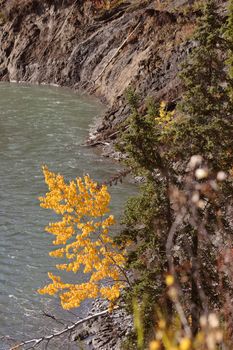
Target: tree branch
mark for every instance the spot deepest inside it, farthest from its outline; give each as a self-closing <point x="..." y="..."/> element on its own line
<point x="35" y="342"/>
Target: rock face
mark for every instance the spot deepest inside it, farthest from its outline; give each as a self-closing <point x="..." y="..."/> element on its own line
<point x="107" y="332"/>
<point x="70" y="43"/>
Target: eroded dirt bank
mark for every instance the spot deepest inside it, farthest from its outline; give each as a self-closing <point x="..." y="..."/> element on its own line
<point x="70" y="43"/>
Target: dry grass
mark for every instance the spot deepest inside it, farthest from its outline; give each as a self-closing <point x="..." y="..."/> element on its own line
<point x="185" y="33"/>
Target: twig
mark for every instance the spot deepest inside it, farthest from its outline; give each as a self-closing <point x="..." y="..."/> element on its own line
<point x="101" y="138"/>
<point x="170" y="241"/>
<point x="96" y="143"/>
<point x="169" y="247"/>
<point x="54" y="318"/>
<point x="117" y="177"/>
<point x="182" y="316"/>
<point x="35" y="342"/>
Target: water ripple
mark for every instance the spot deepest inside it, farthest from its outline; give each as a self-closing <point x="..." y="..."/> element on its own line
<point x="38" y="125"/>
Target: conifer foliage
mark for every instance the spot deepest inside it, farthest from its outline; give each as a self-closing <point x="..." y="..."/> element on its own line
<point x="180" y="222"/>
<point x="205" y="121"/>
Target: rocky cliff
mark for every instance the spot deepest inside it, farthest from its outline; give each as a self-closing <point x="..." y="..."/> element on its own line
<point x="102" y="52"/>
<point x="72" y="43"/>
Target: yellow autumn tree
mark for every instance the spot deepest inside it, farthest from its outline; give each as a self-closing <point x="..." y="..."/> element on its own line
<point x="83" y="239"/>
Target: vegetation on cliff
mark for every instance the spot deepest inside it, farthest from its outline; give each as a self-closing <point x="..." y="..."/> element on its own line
<point x="177" y="232"/>
<point x="176" y="242"/>
<point x="180" y="224"/>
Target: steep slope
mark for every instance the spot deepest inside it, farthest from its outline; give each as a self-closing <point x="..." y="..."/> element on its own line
<point x="71" y="43"/>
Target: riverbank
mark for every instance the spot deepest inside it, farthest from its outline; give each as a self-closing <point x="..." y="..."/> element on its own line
<point x="40" y="125"/>
<point x="137" y="43"/>
<point x="100" y="52"/>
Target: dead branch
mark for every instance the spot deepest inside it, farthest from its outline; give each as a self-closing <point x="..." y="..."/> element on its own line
<point x="35" y="342"/>
<point x="54" y="318"/>
<point x="117" y="177"/>
<point x="169" y="247"/>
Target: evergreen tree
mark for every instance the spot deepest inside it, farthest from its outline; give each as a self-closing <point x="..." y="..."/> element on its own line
<point x="205" y="121"/>
<point x="203" y="74"/>
<point x="228" y="36"/>
<point x="166" y="222"/>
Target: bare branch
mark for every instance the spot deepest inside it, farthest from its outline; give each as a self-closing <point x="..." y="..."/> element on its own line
<point x="35" y="342"/>
<point x="54" y="318"/>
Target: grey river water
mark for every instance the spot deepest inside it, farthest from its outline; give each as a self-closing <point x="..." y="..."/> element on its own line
<point x="39" y="125"/>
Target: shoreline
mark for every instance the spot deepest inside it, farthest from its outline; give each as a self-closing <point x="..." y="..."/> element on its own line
<point x="98" y="54"/>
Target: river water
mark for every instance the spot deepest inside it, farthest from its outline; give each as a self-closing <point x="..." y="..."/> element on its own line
<point x="39" y="125"/>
